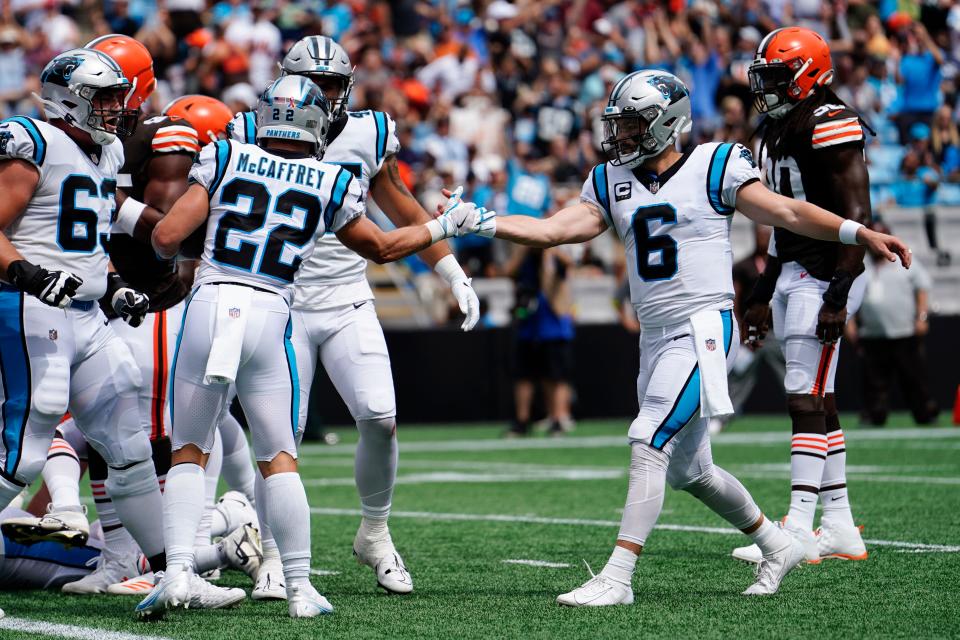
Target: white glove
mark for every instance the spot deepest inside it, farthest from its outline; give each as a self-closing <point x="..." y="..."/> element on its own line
<point x="461" y="218"/>
<point x="449" y="269"/>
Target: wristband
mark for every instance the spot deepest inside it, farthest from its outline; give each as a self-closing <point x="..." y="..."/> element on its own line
<point x="437" y="230"/>
<point x="127" y="216"/>
<point x="836" y="294"/>
<point x="848" y="231"/>
<point x="449" y="269"/>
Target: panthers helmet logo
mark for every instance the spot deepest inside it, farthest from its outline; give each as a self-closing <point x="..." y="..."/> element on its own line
<point x="60" y="70"/>
<point x="669" y="88"/>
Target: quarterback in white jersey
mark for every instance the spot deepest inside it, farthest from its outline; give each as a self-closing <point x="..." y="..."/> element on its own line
<point x="672" y="212"/>
<point x="337" y="322"/>
<point x="58" y="354"/>
<point x="264" y="206"/>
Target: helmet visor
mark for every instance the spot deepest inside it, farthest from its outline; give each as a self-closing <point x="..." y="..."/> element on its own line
<point x="109" y="112"/>
<point x="769" y="83"/>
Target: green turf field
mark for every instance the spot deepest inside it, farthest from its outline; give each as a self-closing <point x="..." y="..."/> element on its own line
<point x="468" y="502"/>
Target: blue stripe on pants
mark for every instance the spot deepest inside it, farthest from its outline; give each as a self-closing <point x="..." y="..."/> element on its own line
<point x="15" y="372"/>
<point x="294" y="376"/>
<point x="688" y="402"/>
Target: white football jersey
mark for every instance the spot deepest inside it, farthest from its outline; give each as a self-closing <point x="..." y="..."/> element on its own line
<point x="267" y="212"/>
<point x="367" y="138"/>
<point x="72" y="207"/>
<point x="676" y="229"/>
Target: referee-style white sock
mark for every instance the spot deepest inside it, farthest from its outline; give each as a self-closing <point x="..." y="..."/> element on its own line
<point x="769" y="537"/>
<point x="620" y="565"/>
<point x="289" y="516"/>
<point x="182" y="510"/>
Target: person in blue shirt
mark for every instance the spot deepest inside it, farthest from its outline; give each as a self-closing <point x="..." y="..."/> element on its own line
<point x="918" y="77"/>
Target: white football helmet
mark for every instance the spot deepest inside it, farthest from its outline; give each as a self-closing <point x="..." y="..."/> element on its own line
<point x="294" y="108"/>
<point x="646" y="112"/>
<point x="88" y="90"/>
<point x="320" y="57"/>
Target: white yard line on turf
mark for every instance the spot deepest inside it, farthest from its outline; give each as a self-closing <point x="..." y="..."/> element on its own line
<point x="447" y="477"/>
<point x="70" y="631"/>
<point x="600" y="442"/>
<point x="323" y="572"/>
<point x="538" y="563"/>
<point x="496" y="517"/>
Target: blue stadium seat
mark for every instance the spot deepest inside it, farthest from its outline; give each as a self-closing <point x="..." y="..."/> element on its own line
<point x="949" y="194"/>
<point x="884" y="163"/>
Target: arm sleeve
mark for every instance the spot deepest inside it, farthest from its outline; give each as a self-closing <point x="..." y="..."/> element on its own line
<point x="175" y="138"/>
<point x="206" y="170"/>
<point x="345" y="204"/>
<point x="596" y="191"/>
<point x="740" y="170"/>
<point x="21" y="139"/>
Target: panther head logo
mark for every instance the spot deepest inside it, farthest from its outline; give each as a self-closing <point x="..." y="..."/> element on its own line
<point x="60" y="70"/>
<point x="669" y="88"/>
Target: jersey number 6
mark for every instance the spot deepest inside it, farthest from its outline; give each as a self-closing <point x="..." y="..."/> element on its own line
<point x="656" y="254"/>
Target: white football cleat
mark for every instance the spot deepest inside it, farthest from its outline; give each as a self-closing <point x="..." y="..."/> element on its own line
<point x="270" y="583"/>
<point x="840" y="541"/>
<point x="112" y="567"/>
<point x="381" y="556"/>
<point x="598" y="591"/>
<point x="138" y="586"/>
<point x="69" y="528"/>
<point x="242" y="550"/>
<point x="304" y="601"/>
<point x="773" y="568"/>
<point x="807" y="540"/>
<point x="167" y="594"/>
<point x="204" y="595"/>
<point x="236" y="511"/>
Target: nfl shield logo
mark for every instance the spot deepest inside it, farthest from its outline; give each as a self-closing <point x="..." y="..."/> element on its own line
<point x="52" y="334"/>
<point x="654" y="187"/>
<point x="711" y="344"/>
<point x="234" y="312"/>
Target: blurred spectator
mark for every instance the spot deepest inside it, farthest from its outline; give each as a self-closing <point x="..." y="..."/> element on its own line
<point x="919" y="78"/>
<point x="918" y="188"/>
<point x="544" y="337"/>
<point x="13" y="71"/>
<point x="945" y="143"/>
<point x="890" y="331"/>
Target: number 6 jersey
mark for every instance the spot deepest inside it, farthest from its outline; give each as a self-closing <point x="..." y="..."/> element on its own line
<point x="267" y="210"/>
<point x="676" y="228"/>
<point x="72" y="205"/>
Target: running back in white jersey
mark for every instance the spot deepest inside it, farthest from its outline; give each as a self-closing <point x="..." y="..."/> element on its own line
<point x="267" y="212"/>
<point x="72" y="207"/>
<point x="676" y="229"/>
<point x="366" y="139"/>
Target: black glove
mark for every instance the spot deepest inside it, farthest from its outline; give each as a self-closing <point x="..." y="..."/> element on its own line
<point x="129" y="304"/>
<point x="55" y="288"/>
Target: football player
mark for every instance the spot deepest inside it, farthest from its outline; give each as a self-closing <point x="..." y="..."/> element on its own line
<point x="263" y="208"/>
<point x="673" y="212"/>
<point x="812" y="149"/>
<point x="335" y="304"/>
<point x="59" y="179"/>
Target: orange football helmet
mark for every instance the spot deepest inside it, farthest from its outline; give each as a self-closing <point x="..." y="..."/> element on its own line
<point x="207" y="115"/>
<point x="791" y="64"/>
<point x="136" y="62"/>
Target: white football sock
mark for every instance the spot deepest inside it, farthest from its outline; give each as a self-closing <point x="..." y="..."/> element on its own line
<point x="238" y="470"/>
<point x="833" y="487"/>
<point x="807" y="454"/>
<point x="769" y="537"/>
<point x="118" y="539"/>
<point x="61" y="473"/>
<point x="375" y="465"/>
<point x="648" y="476"/>
<point x="267" y="542"/>
<point x="211" y="478"/>
<point x="289" y="516"/>
<point x="182" y="509"/>
<point x="620" y="565"/>
<point x="139" y="504"/>
<point x="209" y="557"/>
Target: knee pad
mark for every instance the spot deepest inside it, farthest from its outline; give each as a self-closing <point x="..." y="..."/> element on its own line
<point x="137" y="479"/>
<point x="379" y="428"/>
<point x="127" y="447"/>
<point x="52" y="393"/>
<point x="797" y="381"/>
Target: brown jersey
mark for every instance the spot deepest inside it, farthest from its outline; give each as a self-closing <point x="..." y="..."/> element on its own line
<point x="795" y="168"/>
<point x="137" y="263"/>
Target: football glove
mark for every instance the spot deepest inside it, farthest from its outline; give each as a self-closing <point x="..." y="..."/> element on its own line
<point x="55" y="288"/>
<point x="468" y="301"/>
<point x="460" y="218"/>
<point x="129" y="304"/>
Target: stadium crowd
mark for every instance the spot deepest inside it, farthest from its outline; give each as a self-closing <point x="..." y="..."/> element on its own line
<point x="506" y="96"/>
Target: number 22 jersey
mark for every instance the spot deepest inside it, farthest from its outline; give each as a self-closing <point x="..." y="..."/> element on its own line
<point x="675" y="228"/>
<point x="267" y="211"/>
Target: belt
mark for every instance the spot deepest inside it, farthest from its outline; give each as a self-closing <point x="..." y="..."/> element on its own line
<point x="81" y="305"/>
<point x="244" y="284"/>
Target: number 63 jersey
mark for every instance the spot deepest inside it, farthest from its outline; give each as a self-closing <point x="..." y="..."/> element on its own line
<point x="72" y="205"/>
<point x="676" y="228"/>
<point x="267" y="210"/>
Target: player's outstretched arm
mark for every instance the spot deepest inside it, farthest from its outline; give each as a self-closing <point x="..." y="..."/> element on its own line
<point x="371" y="242"/>
<point x="578" y="223"/>
<point x="186" y="215"/>
<point x="766" y="207"/>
